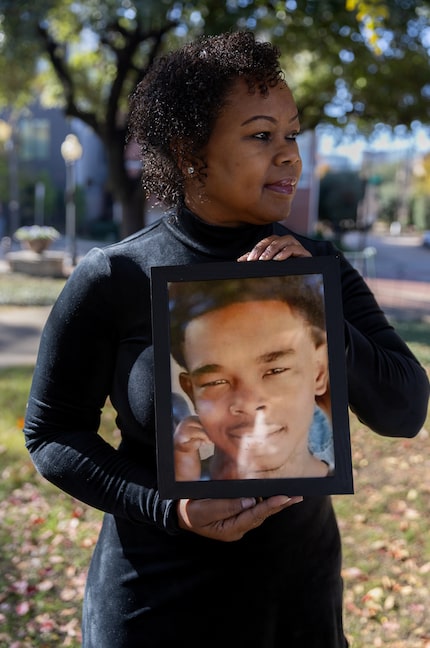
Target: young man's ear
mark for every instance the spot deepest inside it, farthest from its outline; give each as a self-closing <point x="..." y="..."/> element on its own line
<point x="321" y="365"/>
<point x="186" y="385"/>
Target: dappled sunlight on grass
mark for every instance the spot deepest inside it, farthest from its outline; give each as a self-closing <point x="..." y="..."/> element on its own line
<point x="386" y="542"/>
<point x="19" y="289"/>
<point x="47" y="537"/>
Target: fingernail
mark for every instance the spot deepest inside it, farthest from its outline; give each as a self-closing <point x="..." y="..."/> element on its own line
<point x="296" y="499"/>
<point x="281" y="500"/>
<point x="248" y="502"/>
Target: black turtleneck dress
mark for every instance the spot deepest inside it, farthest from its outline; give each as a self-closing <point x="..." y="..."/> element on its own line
<point x="151" y="584"/>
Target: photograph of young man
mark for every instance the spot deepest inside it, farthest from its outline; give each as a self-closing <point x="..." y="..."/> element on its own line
<point x="253" y="354"/>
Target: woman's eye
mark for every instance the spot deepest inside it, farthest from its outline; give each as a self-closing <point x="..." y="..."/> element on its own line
<point x="265" y="135"/>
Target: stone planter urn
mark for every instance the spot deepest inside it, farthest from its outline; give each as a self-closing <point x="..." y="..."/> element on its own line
<point x="37" y="238"/>
<point x="35" y="258"/>
<point x="37" y="245"/>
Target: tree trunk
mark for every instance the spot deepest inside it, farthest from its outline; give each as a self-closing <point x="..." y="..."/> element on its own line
<point x="133" y="210"/>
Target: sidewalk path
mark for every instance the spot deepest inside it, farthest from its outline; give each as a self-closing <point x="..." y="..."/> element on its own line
<point x="20" y="330"/>
<point x="401" y="258"/>
<point x="403" y="300"/>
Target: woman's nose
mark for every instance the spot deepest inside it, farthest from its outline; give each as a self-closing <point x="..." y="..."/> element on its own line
<point x="288" y="153"/>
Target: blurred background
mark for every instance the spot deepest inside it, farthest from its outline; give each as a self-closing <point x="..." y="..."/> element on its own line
<point x="69" y="180"/>
<point x="359" y="71"/>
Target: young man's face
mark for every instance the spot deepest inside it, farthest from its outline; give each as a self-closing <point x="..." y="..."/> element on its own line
<point x="253" y="374"/>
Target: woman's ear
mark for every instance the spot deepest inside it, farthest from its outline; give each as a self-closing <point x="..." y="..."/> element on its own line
<point x="189" y="169"/>
<point x="178" y="153"/>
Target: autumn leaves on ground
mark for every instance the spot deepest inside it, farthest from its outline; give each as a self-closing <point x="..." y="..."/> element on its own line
<point x="47" y="538"/>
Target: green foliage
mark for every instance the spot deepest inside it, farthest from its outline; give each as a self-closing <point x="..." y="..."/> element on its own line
<point x="348" y="62"/>
<point x="340" y="57"/>
<point x="420" y="212"/>
<point x="404" y="182"/>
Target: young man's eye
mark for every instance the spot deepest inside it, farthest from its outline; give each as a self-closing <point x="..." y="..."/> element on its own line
<point x="276" y="371"/>
<point x="213" y="383"/>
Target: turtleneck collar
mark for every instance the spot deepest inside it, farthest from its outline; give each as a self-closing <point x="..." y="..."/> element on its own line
<point x="215" y="240"/>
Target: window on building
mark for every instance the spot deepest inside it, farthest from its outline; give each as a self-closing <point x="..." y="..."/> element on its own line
<point x="34" y="139"/>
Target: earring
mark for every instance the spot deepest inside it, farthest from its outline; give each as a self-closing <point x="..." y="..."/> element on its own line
<point x="190" y="170"/>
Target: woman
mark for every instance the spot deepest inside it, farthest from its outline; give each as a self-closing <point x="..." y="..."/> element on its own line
<point x="217" y="125"/>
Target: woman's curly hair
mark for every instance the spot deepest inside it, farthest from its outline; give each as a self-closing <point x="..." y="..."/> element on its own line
<point x="174" y="108"/>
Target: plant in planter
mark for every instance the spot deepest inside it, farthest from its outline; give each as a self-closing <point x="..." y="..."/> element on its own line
<point x="36" y="237"/>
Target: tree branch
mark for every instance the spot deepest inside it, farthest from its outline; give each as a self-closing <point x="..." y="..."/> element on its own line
<point x="124" y="56"/>
<point x="57" y="57"/>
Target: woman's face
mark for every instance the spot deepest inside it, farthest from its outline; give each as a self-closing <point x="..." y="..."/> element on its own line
<point x="252" y="159"/>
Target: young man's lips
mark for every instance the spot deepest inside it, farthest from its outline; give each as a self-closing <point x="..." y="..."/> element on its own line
<point x="244" y="433"/>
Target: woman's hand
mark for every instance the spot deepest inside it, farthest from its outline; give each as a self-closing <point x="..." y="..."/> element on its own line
<point x="229" y="519"/>
<point x="276" y="248"/>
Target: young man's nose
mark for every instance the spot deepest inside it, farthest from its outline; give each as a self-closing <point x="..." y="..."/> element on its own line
<point x="247" y="401"/>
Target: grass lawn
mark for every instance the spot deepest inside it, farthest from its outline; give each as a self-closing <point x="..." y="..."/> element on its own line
<point x="17" y="289"/>
<point x="47" y="537"/>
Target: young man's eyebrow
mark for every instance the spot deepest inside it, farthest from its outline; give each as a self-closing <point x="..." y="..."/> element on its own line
<point x="204" y="369"/>
<point x="268" y="118"/>
<point x="272" y="356"/>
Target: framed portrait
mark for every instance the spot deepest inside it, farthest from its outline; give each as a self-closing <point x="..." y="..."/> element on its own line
<point x="250" y="379"/>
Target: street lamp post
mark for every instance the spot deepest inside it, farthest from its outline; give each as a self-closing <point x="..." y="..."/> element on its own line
<point x="71" y="151"/>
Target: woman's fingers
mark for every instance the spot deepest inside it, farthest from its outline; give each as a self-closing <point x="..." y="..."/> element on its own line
<point x="275" y="248"/>
<point x="228" y="520"/>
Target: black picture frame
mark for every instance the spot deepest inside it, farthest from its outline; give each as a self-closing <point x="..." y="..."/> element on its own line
<point x="324" y="269"/>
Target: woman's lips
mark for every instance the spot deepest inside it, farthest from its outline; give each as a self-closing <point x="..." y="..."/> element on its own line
<point x="286" y="187"/>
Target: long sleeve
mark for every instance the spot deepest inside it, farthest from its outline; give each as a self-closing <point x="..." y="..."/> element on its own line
<point x="75" y="372"/>
<point x="388" y="389"/>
